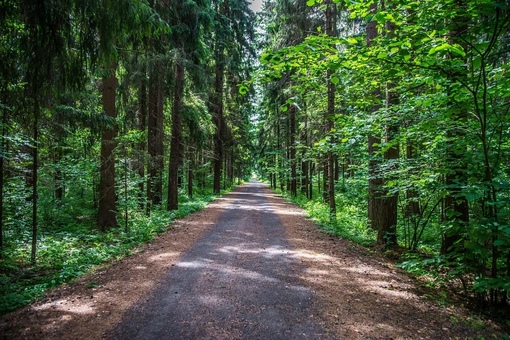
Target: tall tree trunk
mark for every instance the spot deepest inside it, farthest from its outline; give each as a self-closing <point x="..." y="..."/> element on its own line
<point x="155" y="135"/>
<point x="280" y="162"/>
<point x="190" y="172"/>
<point x="331" y="13"/>
<point x="456" y="204"/>
<point x="107" y="214"/>
<point x="310" y="184"/>
<point x="218" y="120"/>
<point x="304" y="163"/>
<point x="293" y="160"/>
<point x="175" y="144"/>
<point x="376" y="205"/>
<point x="201" y="173"/>
<point x="325" y="176"/>
<point x="320" y="167"/>
<point x="35" y="153"/>
<point x="412" y="210"/>
<point x="231" y="167"/>
<point x="337" y="168"/>
<point x="304" y="178"/>
<point x="240" y="176"/>
<point x="2" y="162"/>
<point x="387" y="230"/>
<point x="142" y="126"/>
<point x="225" y="167"/>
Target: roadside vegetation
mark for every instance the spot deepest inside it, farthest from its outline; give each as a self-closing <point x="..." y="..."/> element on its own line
<point x="74" y="248"/>
<point x="116" y="117"/>
<point x="388" y="121"/>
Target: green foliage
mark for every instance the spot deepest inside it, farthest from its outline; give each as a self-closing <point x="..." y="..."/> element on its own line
<point x="54" y="56"/>
<point x="67" y="251"/>
<point x="351" y="222"/>
<point x="443" y="66"/>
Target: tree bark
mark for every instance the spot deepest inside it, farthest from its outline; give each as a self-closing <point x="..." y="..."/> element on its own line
<point x="413" y="206"/>
<point x="376" y="205"/>
<point x="331" y="13"/>
<point x="2" y="163"/>
<point x="218" y="122"/>
<point x="310" y="184"/>
<point x="304" y="163"/>
<point x="231" y="167"/>
<point x="190" y="172"/>
<point x="35" y="153"/>
<point x="175" y="144"/>
<point x="107" y="214"/>
<point x="293" y="160"/>
<point x="387" y="232"/>
<point x="456" y="204"/>
<point x="155" y="135"/>
<point x="142" y="126"/>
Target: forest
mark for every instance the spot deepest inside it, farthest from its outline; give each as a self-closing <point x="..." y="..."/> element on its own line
<point x="388" y="121"/>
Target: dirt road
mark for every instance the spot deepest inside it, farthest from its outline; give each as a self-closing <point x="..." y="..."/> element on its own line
<point x="239" y="281"/>
<point x="249" y="266"/>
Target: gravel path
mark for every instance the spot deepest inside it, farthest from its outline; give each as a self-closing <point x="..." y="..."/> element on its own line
<point x="239" y="281"/>
<point x="249" y="266"/>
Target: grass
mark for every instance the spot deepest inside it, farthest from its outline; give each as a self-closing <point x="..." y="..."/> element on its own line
<point x="69" y="252"/>
<point x="351" y="219"/>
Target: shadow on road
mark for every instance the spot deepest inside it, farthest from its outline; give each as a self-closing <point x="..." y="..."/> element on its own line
<point x="239" y="281"/>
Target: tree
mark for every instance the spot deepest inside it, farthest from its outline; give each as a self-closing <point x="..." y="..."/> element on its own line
<point x="176" y="144"/>
<point x="376" y="207"/>
<point x="113" y="23"/>
<point x="155" y="130"/>
<point x="44" y="50"/>
<point x="331" y="14"/>
<point x="456" y="205"/>
<point x="107" y="213"/>
<point x="188" y="20"/>
<point x="232" y="35"/>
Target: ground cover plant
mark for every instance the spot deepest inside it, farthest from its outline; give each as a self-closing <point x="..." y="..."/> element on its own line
<point x="74" y="250"/>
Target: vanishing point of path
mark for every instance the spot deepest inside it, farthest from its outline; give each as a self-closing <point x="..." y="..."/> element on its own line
<point x="239" y="281"/>
<point x="249" y="266"/>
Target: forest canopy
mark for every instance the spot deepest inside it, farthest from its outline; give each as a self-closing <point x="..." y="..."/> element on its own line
<point x="116" y="117"/>
<point x="387" y="120"/>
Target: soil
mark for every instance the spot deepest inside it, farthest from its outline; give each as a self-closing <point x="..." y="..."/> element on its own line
<point x="249" y="266"/>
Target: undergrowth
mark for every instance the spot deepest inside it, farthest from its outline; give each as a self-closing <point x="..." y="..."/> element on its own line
<point x="351" y="220"/>
<point x="70" y="251"/>
<point x="441" y="274"/>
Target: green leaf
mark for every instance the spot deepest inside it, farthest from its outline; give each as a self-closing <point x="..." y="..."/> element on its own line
<point x="335" y="80"/>
<point x="498" y="243"/>
<point x="439" y="48"/>
<point x="457" y="49"/>
<point x="382" y="55"/>
<point x="310" y="2"/>
<point x="477" y="62"/>
<point x="243" y="90"/>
